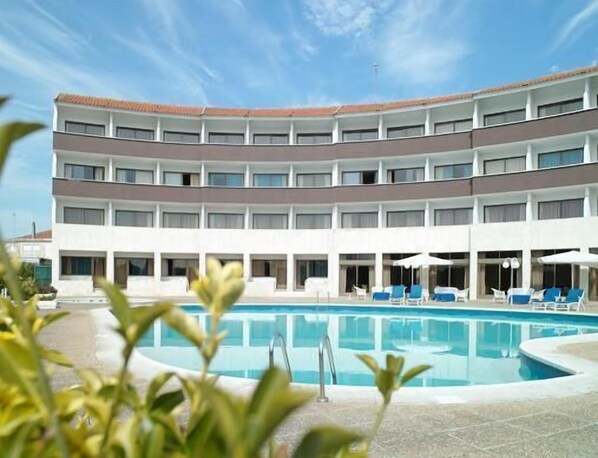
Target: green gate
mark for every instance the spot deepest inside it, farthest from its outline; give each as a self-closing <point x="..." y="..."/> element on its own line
<point x="42" y="275"/>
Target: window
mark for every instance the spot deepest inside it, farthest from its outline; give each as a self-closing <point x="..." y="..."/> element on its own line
<point x="310" y="268"/>
<point x="180" y="268"/>
<point x="504" y="213"/>
<point x="134" y="218"/>
<point x="75" y="265"/>
<point x="140" y="267"/>
<point x="226" y="220"/>
<point x="405" y="131"/>
<point x="359" y="220"/>
<point x="364" y="177"/>
<point x="410" y="218"/>
<point x="226" y="179"/>
<point x="560" y="158"/>
<point x="135" y="176"/>
<point x="180" y="220"/>
<point x="453" y="216"/>
<point x="406" y="175"/>
<point x="313" y="221"/>
<point x="445" y="172"/>
<point x="84" y="128"/>
<point x="83" y="172"/>
<point x="314" y="180"/>
<point x="510" y="164"/>
<point x="270" y="180"/>
<point x="181" y="179"/>
<point x="270" y="221"/>
<point x="504" y="117"/>
<point x="560" y="107"/>
<point x="314" y="139"/>
<point x="134" y="133"/>
<point x="270" y="139"/>
<point x="560" y="209"/>
<point x="453" y="126"/>
<point x="181" y="137"/>
<point x="360" y="135"/>
<point x="233" y="139"/>
<point x="73" y="215"/>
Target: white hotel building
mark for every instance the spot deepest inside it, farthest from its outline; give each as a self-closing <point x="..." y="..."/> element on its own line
<point x="326" y="198"/>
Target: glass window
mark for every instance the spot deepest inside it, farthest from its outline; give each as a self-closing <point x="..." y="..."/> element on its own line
<point x="410" y="218"/>
<point x="453" y="216"/>
<point x="405" y="131"/>
<point x="75" y="265"/>
<point x="84" y="128"/>
<point x="135" y="176"/>
<point x="453" y="126"/>
<point x="226" y="220"/>
<point x="180" y="220"/>
<point x="560" y="209"/>
<point x="310" y="268"/>
<point x="504" y="117"/>
<point x="270" y="139"/>
<point x="510" y="164"/>
<point x="134" y="218"/>
<point x="314" y="139"/>
<point x="143" y="267"/>
<point x="230" y="138"/>
<point x="270" y="221"/>
<point x="406" y="175"/>
<point x="359" y="220"/>
<point x="560" y="158"/>
<point x="134" y="133"/>
<point x="560" y="107"/>
<point x="181" y="137"/>
<point x="504" y="213"/>
<point x="362" y="177"/>
<point x="181" y="179"/>
<point x="313" y="221"/>
<point x="226" y="179"/>
<point x="83" y="172"/>
<point x="314" y="180"/>
<point x="74" y="215"/>
<point x="270" y="180"/>
<point x="445" y="172"/>
<point x="360" y="135"/>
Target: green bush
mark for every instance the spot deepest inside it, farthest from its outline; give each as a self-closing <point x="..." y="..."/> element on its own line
<point x="107" y="416"/>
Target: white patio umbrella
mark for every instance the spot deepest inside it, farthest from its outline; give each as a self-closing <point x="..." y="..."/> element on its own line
<point x="571" y="257"/>
<point x="421" y="260"/>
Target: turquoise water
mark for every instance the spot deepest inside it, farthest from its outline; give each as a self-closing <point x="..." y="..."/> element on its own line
<point x="465" y="347"/>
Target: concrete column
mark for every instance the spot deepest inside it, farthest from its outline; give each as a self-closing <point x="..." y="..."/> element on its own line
<point x="427" y="171"/>
<point x="55" y="119"/>
<point x="381" y="130"/>
<point x="381" y="175"/>
<point x="428" y="128"/>
<point x="427" y="215"/>
<point x="378" y="270"/>
<point x="157" y="269"/>
<point x="529" y="106"/>
<point x="292" y="133"/>
<point x="335" y="217"/>
<point x="158" y="136"/>
<point x="333" y="274"/>
<point x="157" y="221"/>
<point x="336" y="132"/>
<point x="587" y="94"/>
<point x="587" y="203"/>
<point x="290" y="272"/>
<point x="202" y="132"/>
<point x="291" y="217"/>
<point x="473" y="275"/>
<point x="476" y="114"/>
<point x="584" y="274"/>
<point x="381" y="221"/>
<point x="247" y="219"/>
<point x="246" y="266"/>
<point x="54" y="209"/>
<point x="529" y="157"/>
<point x="336" y="181"/>
<point x="587" y="150"/>
<point x="476" y="163"/>
<point x="529" y="208"/>
<point x="201" y="271"/>
<point x="110" y="169"/>
<point x="158" y="173"/>
<point x="203" y="221"/>
<point x="110" y="214"/>
<point x="55" y="165"/>
<point x="291" y="183"/>
<point x="248" y="176"/>
<point x="203" y="179"/>
<point x="248" y="140"/>
<point x="526" y="268"/>
<point x="111" y="125"/>
<point x="476" y="211"/>
<point x="110" y="266"/>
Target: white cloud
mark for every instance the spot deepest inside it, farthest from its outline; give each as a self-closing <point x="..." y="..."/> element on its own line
<point x="575" y="26"/>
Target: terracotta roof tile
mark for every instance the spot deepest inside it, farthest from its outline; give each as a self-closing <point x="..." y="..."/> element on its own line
<point x="327" y="111"/>
<point x="39" y="235"/>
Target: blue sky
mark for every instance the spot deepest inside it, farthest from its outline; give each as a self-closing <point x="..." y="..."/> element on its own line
<point x="264" y="53"/>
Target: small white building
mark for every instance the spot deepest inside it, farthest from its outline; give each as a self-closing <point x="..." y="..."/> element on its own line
<point x="32" y="248"/>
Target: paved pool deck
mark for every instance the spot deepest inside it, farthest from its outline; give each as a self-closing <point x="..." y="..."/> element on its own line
<point x="559" y="427"/>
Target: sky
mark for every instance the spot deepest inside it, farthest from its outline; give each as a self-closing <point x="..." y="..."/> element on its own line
<point x="263" y="53"/>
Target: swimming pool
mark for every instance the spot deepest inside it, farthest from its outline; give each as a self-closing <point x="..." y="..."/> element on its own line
<point x="464" y="346"/>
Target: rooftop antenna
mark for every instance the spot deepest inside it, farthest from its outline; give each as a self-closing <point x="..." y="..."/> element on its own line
<point x="14" y="226"/>
<point x="375" y="80"/>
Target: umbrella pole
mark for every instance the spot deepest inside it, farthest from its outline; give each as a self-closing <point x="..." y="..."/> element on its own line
<point x="572" y="276"/>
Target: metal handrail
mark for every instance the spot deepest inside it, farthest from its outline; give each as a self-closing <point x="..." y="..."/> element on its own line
<point x="325" y="343"/>
<point x="283" y="348"/>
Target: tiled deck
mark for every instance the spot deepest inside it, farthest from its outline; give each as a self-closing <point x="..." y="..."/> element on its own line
<point x="554" y="427"/>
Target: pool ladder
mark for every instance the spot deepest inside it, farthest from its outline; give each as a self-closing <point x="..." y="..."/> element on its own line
<point x="277" y="337"/>
<point x="325" y="344"/>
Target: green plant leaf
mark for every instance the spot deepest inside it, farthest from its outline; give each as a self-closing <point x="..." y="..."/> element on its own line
<point x="186" y="326"/>
<point x="55" y="357"/>
<point x="154" y="444"/>
<point x="386" y="382"/>
<point x="11" y="132"/>
<point x="370" y="362"/>
<point x="395" y="363"/>
<point x="325" y="441"/>
<point x="414" y="372"/>
<point x="156" y="385"/>
<point x="166" y="402"/>
<point x="226" y="413"/>
<point x="142" y="318"/>
<point x="119" y="303"/>
<point x="52" y="317"/>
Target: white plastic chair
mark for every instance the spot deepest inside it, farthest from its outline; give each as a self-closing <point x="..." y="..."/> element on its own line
<point x="463" y="294"/>
<point x="360" y="293"/>
<point x="499" y="296"/>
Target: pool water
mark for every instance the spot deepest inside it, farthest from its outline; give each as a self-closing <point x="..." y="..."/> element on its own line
<point x="465" y="347"/>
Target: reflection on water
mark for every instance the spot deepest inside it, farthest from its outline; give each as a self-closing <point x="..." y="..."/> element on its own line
<point x="461" y="351"/>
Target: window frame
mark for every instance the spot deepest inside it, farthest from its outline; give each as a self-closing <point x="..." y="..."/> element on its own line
<point x="453" y="122"/>
<point x="174" y="172"/>
<point x="85" y="209"/>
<point x="360" y="172"/>
<point x="360" y="132"/>
<point x="285" y="215"/>
<point x="360" y="213"/>
<point x="394" y="212"/>
<point x="390" y="174"/>
<point x="328" y="215"/>
<point x="226" y="134"/>
<point x="213" y="174"/>
<point x="562" y="102"/>
<point x="504" y="159"/>
<point x="133" y="170"/>
<point x="313" y="134"/>
<point x="168" y="213"/>
<point x="85" y="124"/>
<point x="117" y="211"/>
<point x="560" y="202"/>
<point x="399" y="128"/>
<point x="436" y="167"/>
<point x="237" y="215"/>
<point x="436" y="210"/>
<point x="136" y="130"/>
<point x="506" y="112"/>
<point x="329" y="175"/>
<point x="174" y="132"/>
<point x="560" y="153"/>
<point x="519" y="204"/>
<point x="271" y="136"/>
<point x="257" y="175"/>
<point x="94" y="168"/>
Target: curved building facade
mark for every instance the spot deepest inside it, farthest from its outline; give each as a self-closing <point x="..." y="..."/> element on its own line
<point x="314" y="201"/>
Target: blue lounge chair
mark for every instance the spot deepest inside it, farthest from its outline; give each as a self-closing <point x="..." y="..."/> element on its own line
<point x="574" y="299"/>
<point x="416" y="295"/>
<point x="550" y="297"/>
<point x="397" y="294"/>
